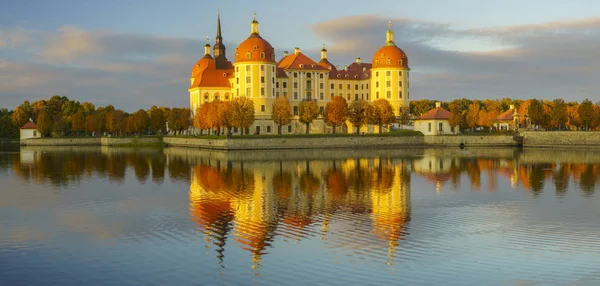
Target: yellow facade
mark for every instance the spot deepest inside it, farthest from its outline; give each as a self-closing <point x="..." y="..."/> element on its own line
<point x="263" y="80"/>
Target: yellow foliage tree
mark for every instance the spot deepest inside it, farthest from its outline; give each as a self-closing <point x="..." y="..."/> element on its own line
<point x="44" y="123"/>
<point x="381" y="113"/>
<point x="282" y="112"/>
<point x="241" y="113"/>
<point x="309" y="110"/>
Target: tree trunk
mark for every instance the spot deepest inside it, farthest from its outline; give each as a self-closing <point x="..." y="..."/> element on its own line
<point x="334" y="129"/>
<point x="279" y="129"/>
<point x="380" y="128"/>
<point x="307" y="128"/>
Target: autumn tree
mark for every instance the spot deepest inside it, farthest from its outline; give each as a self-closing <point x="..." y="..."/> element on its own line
<point x="174" y="120"/>
<point x="536" y="112"/>
<point x="404" y="115"/>
<point x="357" y="113"/>
<point x="336" y="112"/>
<point x="381" y="113"/>
<point x="242" y="113"/>
<point x="586" y="113"/>
<point x="115" y="122"/>
<point x="87" y="108"/>
<point x="472" y="116"/>
<point x="559" y="115"/>
<point x="185" y="118"/>
<point x="22" y="114"/>
<point x="309" y="111"/>
<point x="130" y="126"/>
<point x="77" y="122"/>
<point x="523" y="111"/>
<point x="201" y="117"/>
<point x="157" y="119"/>
<point x="282" y="112"/>
<point x="58" y="125"/>
<point x="44" y="123"/>
<point x="141" y="121"/>
<point x="456" y="116"/>
<point x="573" y="121"/>
<point x="91" y="124"/>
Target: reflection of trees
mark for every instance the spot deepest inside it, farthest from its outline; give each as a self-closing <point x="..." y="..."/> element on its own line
<point x="158" y="168"/>
<point x="588" y="179"/>
<point x="561" y="179"/>
<point x="179" y="169"/>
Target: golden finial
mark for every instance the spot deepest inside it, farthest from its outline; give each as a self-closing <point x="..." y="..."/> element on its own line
<point x="218" y="11"/>
<point x="207" y="40"/>
<point x="390" y="25"/>
<point x="254" y="16"/>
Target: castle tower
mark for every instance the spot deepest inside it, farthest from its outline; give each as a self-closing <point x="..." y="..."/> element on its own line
<point x="219" y="47"/>
<point x="255" y="72"/>
<point x="390" y="74"/>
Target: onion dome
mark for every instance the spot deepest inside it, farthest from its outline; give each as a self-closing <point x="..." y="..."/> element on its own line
<point x="390" y="55"/>
<point x="255" y="48"/>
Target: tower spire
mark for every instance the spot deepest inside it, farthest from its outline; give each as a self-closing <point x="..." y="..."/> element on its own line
<point x="389" y="35"/>
<point x="219" y="48"/>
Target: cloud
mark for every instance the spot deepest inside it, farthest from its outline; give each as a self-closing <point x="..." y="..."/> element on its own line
<point x="131" y="71"/>
<point x="548" y="60"/>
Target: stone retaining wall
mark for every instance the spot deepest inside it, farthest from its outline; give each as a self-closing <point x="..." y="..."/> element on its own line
<point x="571" y="139"/>
<point x="86" y="141"/>
<point x="119" y="141"/>
<point x="339" y="142"/>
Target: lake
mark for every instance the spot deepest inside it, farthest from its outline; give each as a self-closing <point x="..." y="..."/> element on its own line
<point x="176" y="216"/>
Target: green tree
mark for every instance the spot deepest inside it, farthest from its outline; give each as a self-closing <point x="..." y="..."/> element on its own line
<point x="282" y="112"/>
<point x="586" y="113"/>
<point x="357" y="114"/>
<point x="309" y="111"/>
<point x="186" y="118"/>
<point x="536" y="112"/>
<point x="404" y="115"/>
<point x="419" y="107"/>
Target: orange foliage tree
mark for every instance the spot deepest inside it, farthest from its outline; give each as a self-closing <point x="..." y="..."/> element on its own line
<point x="282" y="112"/>
<point x="141" y="121"/>
<point x="336" y="112"/>
<point x="77" y="122"/>
<point x="472" y="117"/>
<point x="44" y="123"/>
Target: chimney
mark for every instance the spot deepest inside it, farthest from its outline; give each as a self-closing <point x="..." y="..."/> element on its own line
<point x="438" y="104"/>
<point x="337" y="67"/>
<point x="296" y="50"/>
<point x="345" y="68"/>
<point x="358" y="60"/>
<point x="512" y="106"/>
<point x="285" y="53"/>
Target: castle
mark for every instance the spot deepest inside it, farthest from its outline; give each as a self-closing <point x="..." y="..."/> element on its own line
<point x="257" y="74"/>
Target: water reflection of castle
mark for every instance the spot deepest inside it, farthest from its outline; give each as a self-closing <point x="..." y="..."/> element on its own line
<point x="257" y="202"/>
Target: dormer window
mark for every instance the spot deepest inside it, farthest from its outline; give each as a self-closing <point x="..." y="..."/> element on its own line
<point x="301" y="65"/>
<point x="262" y="55"/>
<point x="255" y="48"/>
<point x="388" y="61"/>
<point x="237" y="56"/>
<point x="248" y="55"/>
<point x="376" y="62"/>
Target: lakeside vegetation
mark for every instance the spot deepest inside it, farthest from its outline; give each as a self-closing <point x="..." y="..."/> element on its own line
<point x="63" y="117"/>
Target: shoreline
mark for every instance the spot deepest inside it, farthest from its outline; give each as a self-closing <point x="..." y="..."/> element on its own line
<point x="527" y="139"/>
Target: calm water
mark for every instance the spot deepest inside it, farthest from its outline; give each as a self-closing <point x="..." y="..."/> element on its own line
<point x="110" y="216"/>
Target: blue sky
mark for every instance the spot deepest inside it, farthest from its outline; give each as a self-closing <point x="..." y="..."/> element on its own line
<point x="139" y="54"/>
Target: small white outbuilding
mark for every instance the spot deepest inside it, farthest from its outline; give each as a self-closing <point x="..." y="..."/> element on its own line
<point x="29" y="130"/>
<point x="434" y="122"/>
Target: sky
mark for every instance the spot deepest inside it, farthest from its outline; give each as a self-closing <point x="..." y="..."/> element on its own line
<point x="134" y="54"/>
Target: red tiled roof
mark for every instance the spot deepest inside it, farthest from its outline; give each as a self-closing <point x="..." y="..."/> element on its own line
<point x="298" y="61"/>
<point x="281" y="73"/>
<point x="206" y="74"/>
<point x="355" y="71"/>
<point x="29" y="125"/>
<point x="436" y="113"/>
<point x="507" y="115"/>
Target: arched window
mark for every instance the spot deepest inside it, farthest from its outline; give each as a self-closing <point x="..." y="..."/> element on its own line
<point x="248" y="55"/>
<point x="255" y="48"/>
<point x="216" y="96"/>
<point x="388" y="61"/>
<point x="376" y="62"/>
<point x="227" y="96"/>
<point x="262" y="55"/>
<point x="237" y="56"/>
<point x="206" y="96"/>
